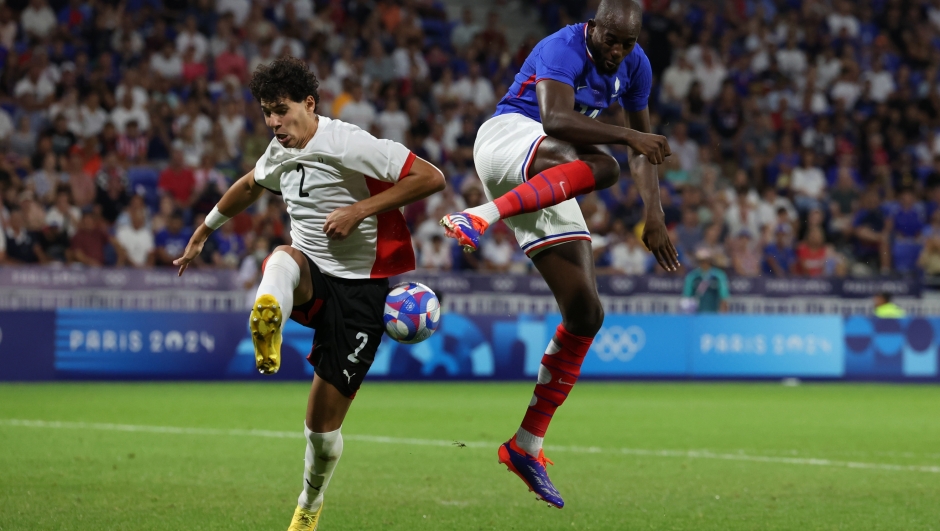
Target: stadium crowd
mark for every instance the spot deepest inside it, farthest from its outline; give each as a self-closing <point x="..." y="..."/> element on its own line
<point x="804" y="133"/>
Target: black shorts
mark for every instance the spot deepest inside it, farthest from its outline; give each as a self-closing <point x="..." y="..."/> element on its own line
<point x="347" y="315"/>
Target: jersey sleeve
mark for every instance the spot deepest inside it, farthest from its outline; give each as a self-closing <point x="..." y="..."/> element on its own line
<point x="559" y="60"/>
<point x="264" y="172"/>
<point x="636" y="98"/>
<point x="379" y="158"/>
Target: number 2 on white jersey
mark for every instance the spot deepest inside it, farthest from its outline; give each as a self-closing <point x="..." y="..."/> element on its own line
<point x="365" y="339"/>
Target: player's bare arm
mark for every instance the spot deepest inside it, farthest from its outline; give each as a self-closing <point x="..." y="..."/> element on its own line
<point x="422" y="180"/>
<point x="560" y="120"/>
<point x="645" y="175"/>
<point x="237" y="198"/>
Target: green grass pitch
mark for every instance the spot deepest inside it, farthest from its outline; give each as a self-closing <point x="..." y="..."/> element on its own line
<point x="696" y="456"/>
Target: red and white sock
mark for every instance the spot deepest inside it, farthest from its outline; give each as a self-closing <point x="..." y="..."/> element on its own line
<point x="560" y="368"/>
<point x="551" y="187"/>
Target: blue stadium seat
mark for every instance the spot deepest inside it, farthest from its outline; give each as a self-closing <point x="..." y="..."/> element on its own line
<point x="143" y="180"/>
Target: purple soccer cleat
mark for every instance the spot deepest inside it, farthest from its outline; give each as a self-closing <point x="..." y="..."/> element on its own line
<point x="531" y="470"/>
<point x="466" y="228"/>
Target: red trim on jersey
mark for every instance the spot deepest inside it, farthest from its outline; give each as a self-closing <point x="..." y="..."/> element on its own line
<point x="556" y="242"/>
<point x="525" y="84"/>
<point x="409" y="162"/>
<point x="394" y="254"/>
<point x="588" y="50"/>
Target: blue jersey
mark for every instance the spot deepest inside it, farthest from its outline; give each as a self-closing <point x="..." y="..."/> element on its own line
<point x="564" y="56"/>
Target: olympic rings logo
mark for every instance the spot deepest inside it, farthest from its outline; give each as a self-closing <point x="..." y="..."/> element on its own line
<point x="619" y="343"/>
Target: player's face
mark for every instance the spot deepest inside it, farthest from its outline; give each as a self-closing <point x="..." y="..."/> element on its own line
<point x="611" y="44"/>
<point x="293" y="122"/>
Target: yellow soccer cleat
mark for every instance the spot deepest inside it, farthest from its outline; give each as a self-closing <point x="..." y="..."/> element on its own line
<point x="265" y="324"/>
<point x="305" y="520"/>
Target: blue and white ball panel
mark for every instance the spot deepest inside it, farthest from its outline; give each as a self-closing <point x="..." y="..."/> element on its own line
<point x="412" y="312"/>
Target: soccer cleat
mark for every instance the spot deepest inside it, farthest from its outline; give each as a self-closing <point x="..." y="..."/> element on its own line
<point x="466" y="228"/>
<point x="305" y="519"/>
<point x="265" y="324"/>
<point x="531" y="470"/>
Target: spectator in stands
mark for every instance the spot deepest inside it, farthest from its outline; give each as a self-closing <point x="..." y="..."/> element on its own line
<point x="689" y="232"/>
<point x="627" y="255"/>
<point x="745" y="254"/>
<point x="497" y="253"/>
<point x="38" y="20"/>
<point x="63" y="213"/>
<point x="811" y="254"/>
<point x="229" y="247"/>
<point x="707" y="285"/>
<point x="22" y="246"/>
<point x="358" y="111"/>
<point x="808" y="183"/>
<point x="871" y="234"/>
<point x="132" y="144"/>
<point x="134" y="242"/>
<point x="177" y="180"/>
<point x="465" y="30"/>
<point x="843" y="203"/>
<point x="89" y="242"/>
<point x="437" y="255"/>
<point x="171" y="241"/>
<point x="779" y="256"/>
<point x="906" y="224"/>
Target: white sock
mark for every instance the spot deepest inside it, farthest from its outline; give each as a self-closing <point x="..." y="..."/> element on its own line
<point x="281" y="277"/>
<point x="487" y="211"/>
<point x="529" y="442"/>
<point x="323" y="453"/>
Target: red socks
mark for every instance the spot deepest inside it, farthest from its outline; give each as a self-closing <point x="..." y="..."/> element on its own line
<point x="561" y="366"/>
<point x="548" y="188"/>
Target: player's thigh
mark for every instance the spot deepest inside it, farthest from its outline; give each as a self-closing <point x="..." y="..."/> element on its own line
<point x="568" y="268"/>
<point x="552" y="152"/>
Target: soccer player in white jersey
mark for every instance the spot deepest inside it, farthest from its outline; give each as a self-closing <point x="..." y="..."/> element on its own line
<point x="344" y="189"/>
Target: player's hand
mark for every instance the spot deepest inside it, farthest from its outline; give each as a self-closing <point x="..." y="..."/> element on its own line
<point x="342" y="221"/>
<point x="654" y="147"/>
<point x="656" y="239"/>
<point x="193" y="248"/>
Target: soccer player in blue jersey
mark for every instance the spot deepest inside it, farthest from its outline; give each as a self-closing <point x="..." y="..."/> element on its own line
<point x="534" y="156"/>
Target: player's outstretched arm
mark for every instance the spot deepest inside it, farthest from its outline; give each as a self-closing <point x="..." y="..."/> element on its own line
<point x="645" y="175"/>
<point x="421" y="181"/>
<point x="561" y="121"/>
<point x="240" y="196"/>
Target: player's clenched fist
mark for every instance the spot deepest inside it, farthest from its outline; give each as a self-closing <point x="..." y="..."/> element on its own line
<point x="655" y="147"/>
<point x="341" y="222"/>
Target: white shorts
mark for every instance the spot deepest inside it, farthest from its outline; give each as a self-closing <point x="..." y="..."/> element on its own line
<point x="504" y="149"/>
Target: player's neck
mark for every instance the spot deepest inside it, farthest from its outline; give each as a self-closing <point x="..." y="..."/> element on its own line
<point x="311" y="132"/>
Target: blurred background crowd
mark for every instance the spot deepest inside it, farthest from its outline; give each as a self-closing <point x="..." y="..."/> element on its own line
<point x="804" y="133"/>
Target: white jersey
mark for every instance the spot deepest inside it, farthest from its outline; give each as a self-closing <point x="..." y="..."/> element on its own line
<point x="339" y="166"/>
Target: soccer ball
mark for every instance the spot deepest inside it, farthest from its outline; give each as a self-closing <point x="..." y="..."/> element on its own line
<point x="412" y="312"/>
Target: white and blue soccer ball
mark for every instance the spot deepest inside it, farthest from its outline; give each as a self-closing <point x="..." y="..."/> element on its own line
<point x="412" y="312"/>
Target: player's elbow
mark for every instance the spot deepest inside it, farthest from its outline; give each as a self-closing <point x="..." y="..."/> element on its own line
<point x="553" y="125"/>
<point x="431" y="177"/>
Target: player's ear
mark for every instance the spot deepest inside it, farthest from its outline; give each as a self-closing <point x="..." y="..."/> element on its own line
<point x="310" y="104"/>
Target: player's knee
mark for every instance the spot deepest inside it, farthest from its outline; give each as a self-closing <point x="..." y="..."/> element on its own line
<point x="586" y="320"/>
<point x="606" y="171"/>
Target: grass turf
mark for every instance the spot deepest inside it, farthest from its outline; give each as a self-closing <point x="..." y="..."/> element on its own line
<point x="76" y="478"/>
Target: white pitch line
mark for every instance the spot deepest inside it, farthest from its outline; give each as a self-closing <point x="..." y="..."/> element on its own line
<point x="687" y="454"/>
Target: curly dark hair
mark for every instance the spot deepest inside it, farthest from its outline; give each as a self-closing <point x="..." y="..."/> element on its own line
<point x="285" y="77"/>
